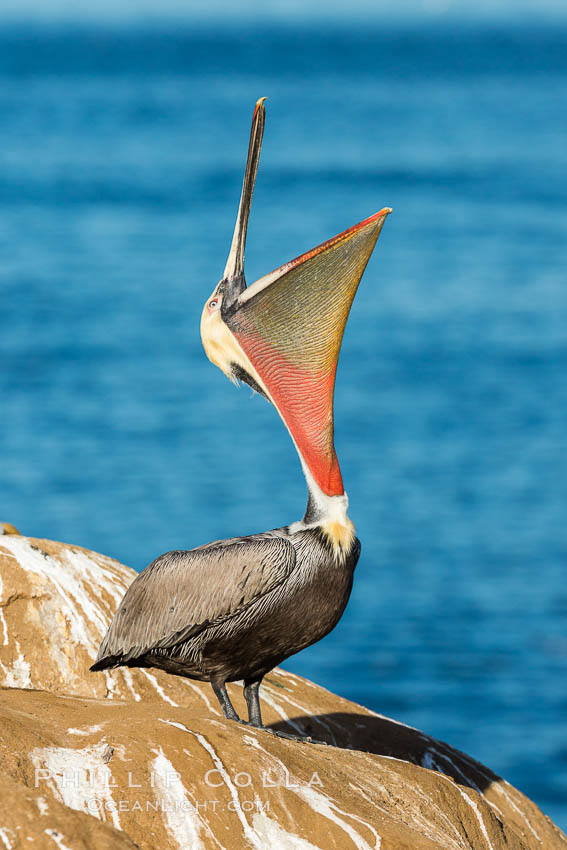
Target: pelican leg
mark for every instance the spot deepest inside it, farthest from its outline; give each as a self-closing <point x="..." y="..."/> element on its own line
<point x="252" y="697"/>
<point x="221" y="694"/>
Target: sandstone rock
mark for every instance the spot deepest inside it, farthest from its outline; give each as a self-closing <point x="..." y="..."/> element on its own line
<point x="137" y="758"/>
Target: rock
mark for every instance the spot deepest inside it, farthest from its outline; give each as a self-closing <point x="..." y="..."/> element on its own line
<point x="135" y="758"/>
<point x="31" y="819"/>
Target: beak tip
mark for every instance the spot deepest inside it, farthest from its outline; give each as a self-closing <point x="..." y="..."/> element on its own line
<point x="259" y="105"/>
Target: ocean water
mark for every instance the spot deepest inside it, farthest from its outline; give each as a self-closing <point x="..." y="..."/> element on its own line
<point x="121" y="157"/>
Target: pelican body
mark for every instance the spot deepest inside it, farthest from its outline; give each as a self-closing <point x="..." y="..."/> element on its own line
<point x="234" y="609"/>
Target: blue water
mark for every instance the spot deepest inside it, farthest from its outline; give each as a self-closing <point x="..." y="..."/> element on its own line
<point x="121" y="156"/>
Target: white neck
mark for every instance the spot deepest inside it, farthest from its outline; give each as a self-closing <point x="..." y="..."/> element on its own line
<point x="321" y="508"/>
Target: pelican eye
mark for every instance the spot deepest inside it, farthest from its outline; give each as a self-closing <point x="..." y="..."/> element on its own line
<point x="213" y="303"/>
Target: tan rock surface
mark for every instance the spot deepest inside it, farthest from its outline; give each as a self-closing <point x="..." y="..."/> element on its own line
<point x="137" y="758"/>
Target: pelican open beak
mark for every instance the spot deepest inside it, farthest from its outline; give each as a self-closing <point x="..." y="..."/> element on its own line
<point x="283" y="334"/>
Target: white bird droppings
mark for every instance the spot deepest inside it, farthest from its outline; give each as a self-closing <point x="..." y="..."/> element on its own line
<point x="6" y="838"/>
<point x="276" y="837"/>
<point x="159" y="688"/>
<point x="182" y="823"/>
<point x="57" y="838"/>
<point x="78" y="778"/>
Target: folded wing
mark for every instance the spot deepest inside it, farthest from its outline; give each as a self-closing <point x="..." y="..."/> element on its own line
<point x="181" y="593"/>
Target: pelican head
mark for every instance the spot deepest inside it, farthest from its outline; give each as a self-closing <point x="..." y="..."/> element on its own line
<point x="282" y="335"/>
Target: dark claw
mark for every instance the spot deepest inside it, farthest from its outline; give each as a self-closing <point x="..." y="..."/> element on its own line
<point x="303" y="739"/>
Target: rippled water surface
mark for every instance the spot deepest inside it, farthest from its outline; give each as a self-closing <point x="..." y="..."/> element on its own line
<point x="121" y="156"/>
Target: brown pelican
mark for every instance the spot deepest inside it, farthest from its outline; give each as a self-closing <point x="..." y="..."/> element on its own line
<point x="233" y="609"/>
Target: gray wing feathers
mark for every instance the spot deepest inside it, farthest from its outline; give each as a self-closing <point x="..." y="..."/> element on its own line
<point x="180" y="593"/>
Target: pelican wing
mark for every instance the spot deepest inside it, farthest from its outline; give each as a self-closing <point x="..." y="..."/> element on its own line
<point x="181" y="593"/>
